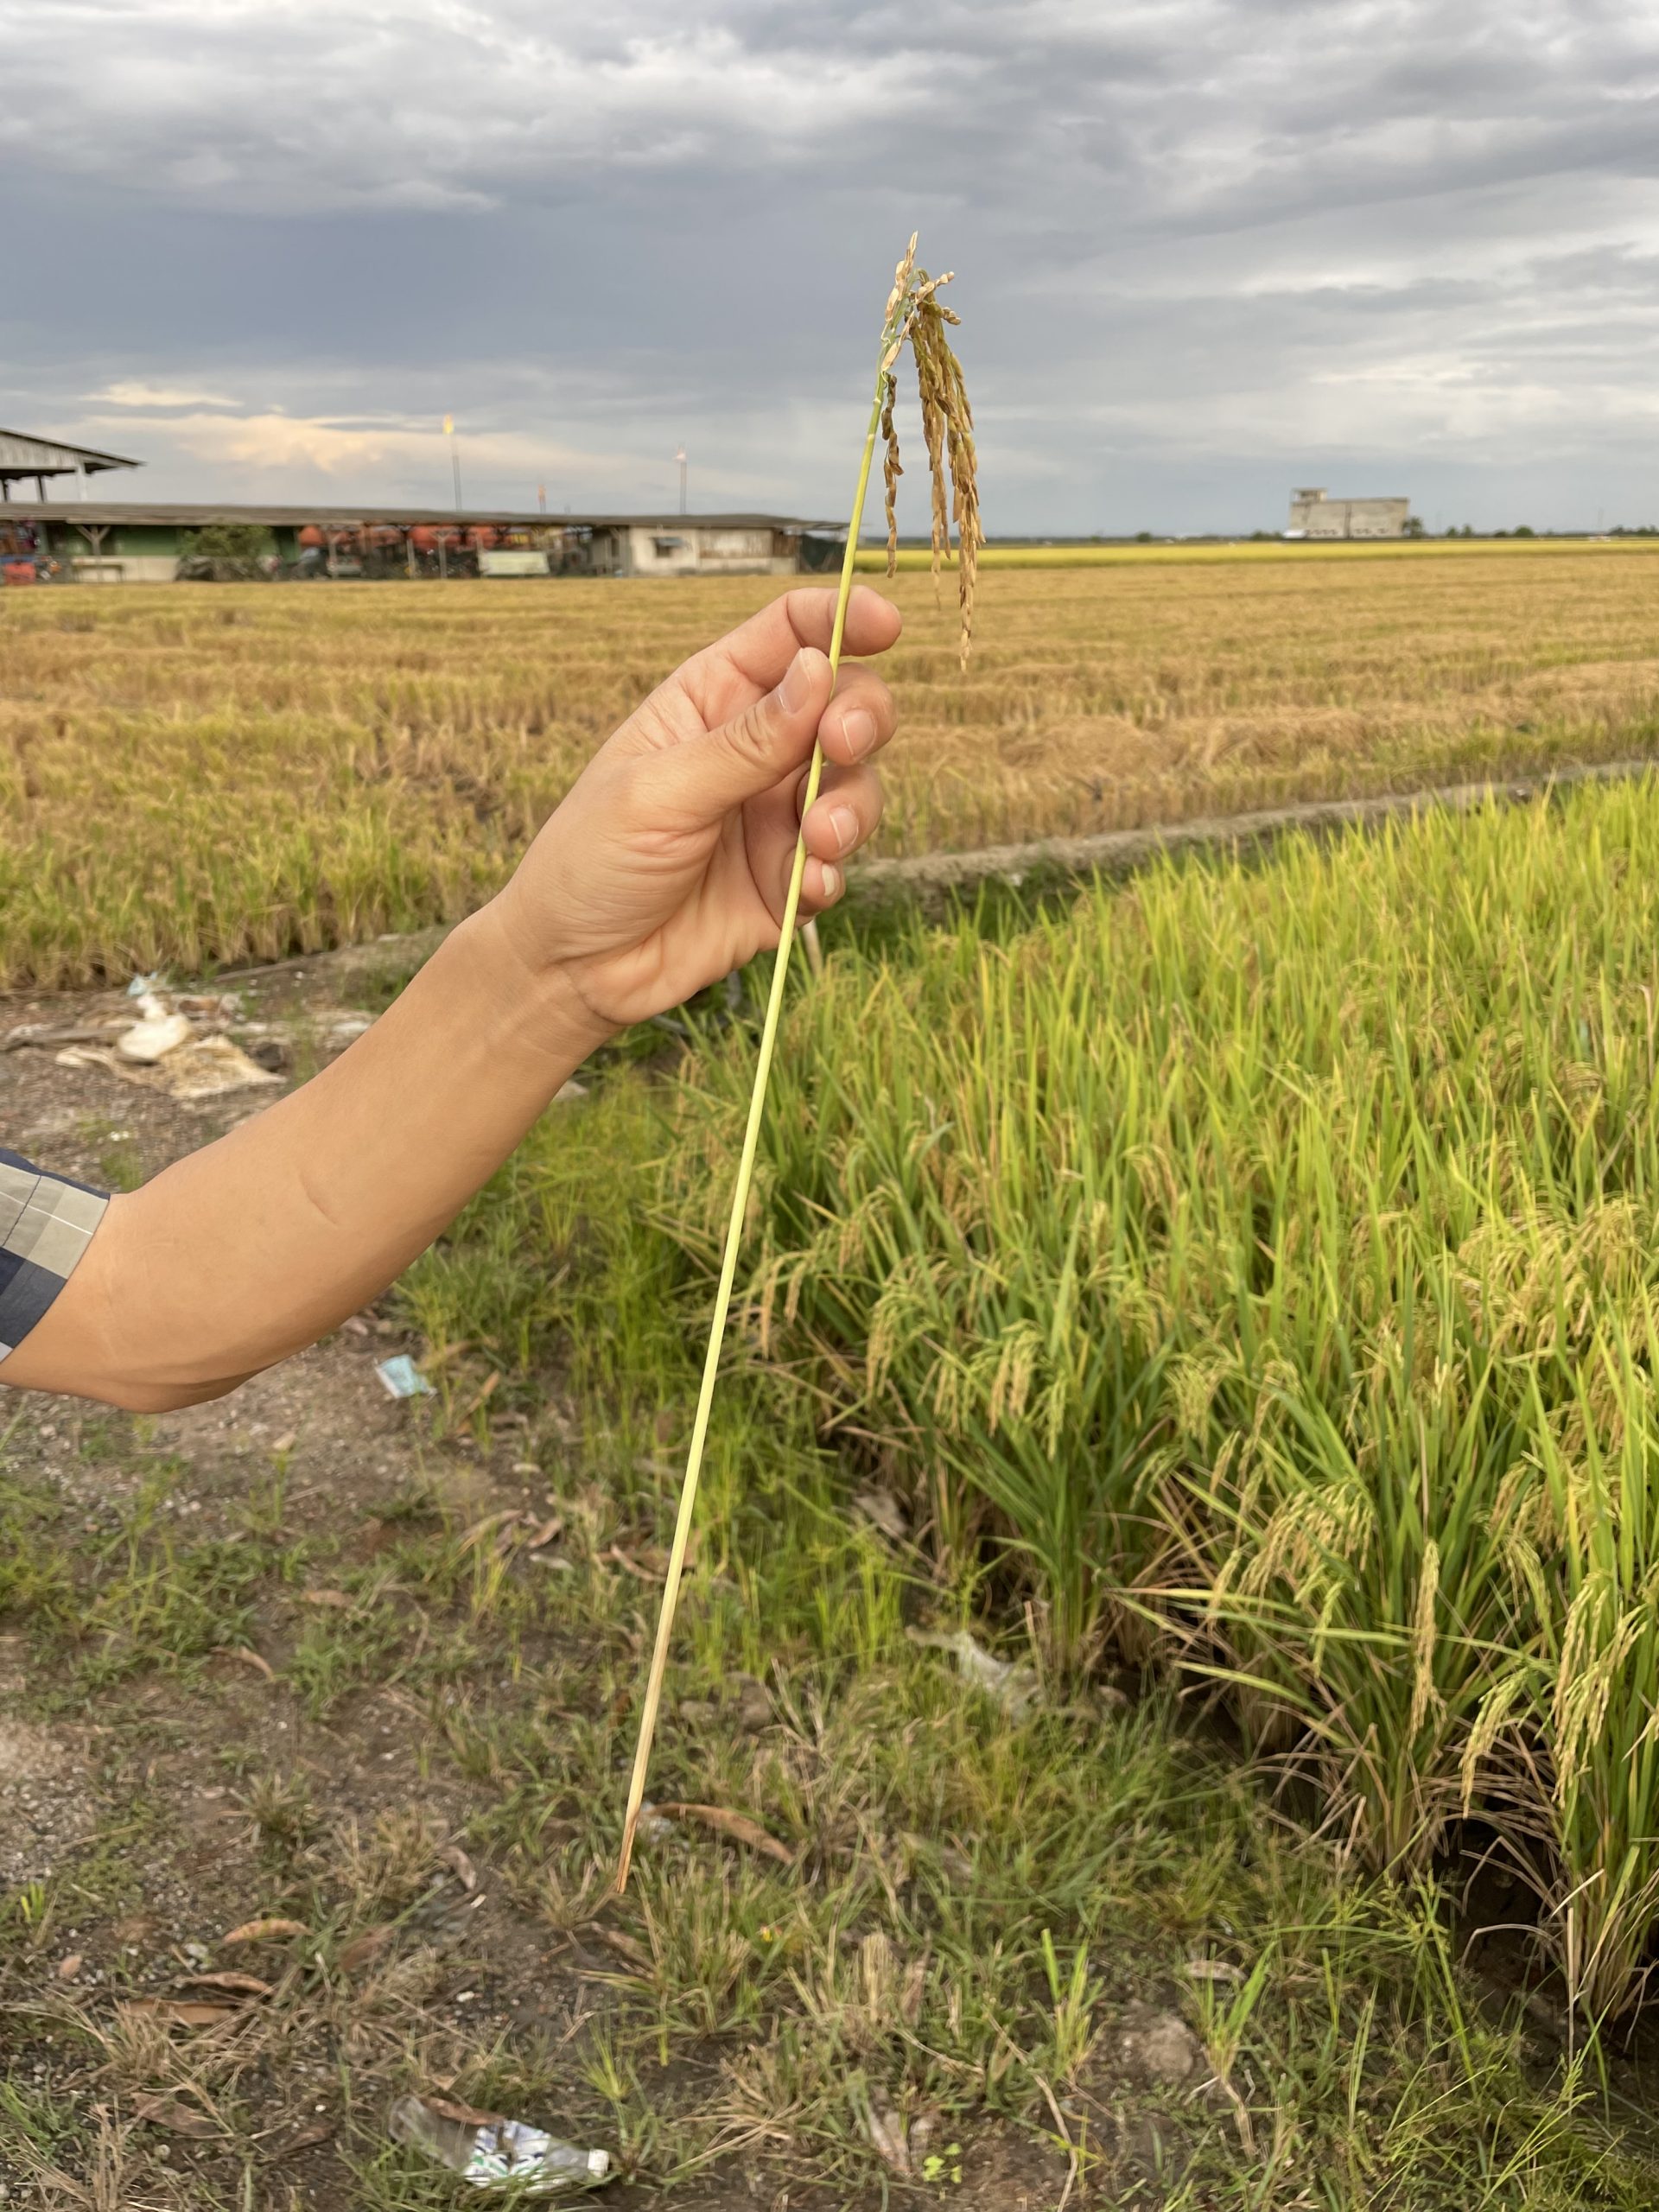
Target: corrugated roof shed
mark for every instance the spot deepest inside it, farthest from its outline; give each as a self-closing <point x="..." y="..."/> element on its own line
<point x="22" y="455"/>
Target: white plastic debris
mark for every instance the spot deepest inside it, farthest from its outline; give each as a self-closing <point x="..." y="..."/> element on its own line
<point x="158" y="1033"/>
<point x="889" y="2137"/>
<point x="1015" y="1688"/>
<point x="497" y="2153"/>
<point x="402" y="1378"/>
<point x="882" y="1510"/>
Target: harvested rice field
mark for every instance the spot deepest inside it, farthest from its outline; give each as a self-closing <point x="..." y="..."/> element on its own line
<point x="213" y="775"/>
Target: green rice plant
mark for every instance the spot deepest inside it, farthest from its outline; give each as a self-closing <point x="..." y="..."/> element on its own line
<point x="1369" y="1595"/>
<point x="1596" y="1508"/>
<point x="1248" y="1269"/>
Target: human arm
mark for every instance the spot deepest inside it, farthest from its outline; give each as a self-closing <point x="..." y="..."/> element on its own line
<point x="665" y="867"/>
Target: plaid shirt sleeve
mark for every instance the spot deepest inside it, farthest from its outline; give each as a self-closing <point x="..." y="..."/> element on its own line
<point x="45" y="1224"/>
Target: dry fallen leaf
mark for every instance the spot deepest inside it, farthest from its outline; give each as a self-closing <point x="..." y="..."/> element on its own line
<point x="248" y="1657"/>
<point x="361" y="1948"/>
<point x="69" y="1967"/>
<point x="319" y="2132"/>
<point x="1213" y="1970"/>
<point x="888" y="2137"/>
<point x="264" y="1931"/>
<point x="552" y="1527"/>
<point x="460" y="1866"/>
<point x="650" y="1565"/>
<point x="184" y="2013"/>
<point x="177" y="2119"/>
<point x="481" y="1396"/>
<point x="334" y="1598"/>
<point x="736" y="1826"/>
<point x="238" y="1985"/>
<point x="625" y="1947"/>
<point x="505" y="1518"/>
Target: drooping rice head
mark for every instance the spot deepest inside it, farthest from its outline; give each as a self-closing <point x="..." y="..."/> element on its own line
<point x="916" y="314"/>
<point x="894" y="326"/>
<point x="948" y="424"/>
<point x="892" y="471"/>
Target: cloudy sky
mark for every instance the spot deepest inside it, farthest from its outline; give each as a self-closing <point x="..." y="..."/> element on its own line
<point x="1208" y="249"/>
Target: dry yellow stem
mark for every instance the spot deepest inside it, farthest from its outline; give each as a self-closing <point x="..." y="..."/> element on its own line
<point x="913" y="313"/>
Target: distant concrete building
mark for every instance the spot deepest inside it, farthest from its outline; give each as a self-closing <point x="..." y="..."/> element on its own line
<point x="1313" y="514"/>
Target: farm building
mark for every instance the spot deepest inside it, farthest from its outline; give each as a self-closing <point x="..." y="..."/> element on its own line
<point x="681" y="545"/>
<point x="23" y="456"/>
<point x="1313" y="514"/>
<point x="94" y="542"/>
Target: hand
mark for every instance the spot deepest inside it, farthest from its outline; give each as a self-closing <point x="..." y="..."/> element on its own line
<point x="668" y="864"/>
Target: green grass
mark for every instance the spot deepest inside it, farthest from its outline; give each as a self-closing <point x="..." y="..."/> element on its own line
<point x="136" y="1596"/>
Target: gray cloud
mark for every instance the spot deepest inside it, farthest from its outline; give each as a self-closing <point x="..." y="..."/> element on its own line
<point x="1208" y="247"/>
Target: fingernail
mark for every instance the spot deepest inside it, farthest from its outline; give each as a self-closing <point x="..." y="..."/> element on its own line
<point x="831" y="880"/>
<point x="844" y="822"/>
<point x="859" y="730"/>
<point x="797" y="686"/>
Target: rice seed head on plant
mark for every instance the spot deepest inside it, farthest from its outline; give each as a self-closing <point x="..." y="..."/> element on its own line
<point x="911" y="308"/>
<point x="916" y="315"/>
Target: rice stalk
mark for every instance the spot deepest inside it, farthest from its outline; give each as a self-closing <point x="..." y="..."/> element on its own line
<point x="909" y="302"/>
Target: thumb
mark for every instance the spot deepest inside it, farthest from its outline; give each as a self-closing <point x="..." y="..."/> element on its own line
<point x="759" y="747"/>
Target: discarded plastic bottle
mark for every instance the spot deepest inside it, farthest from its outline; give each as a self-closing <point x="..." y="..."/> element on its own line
<point x="496" y="2153"/>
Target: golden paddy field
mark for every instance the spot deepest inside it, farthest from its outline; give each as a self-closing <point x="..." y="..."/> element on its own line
<point x="194" y="775"/>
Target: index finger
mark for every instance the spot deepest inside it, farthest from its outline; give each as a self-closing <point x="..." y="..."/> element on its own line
<point x="737" y="669"/>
